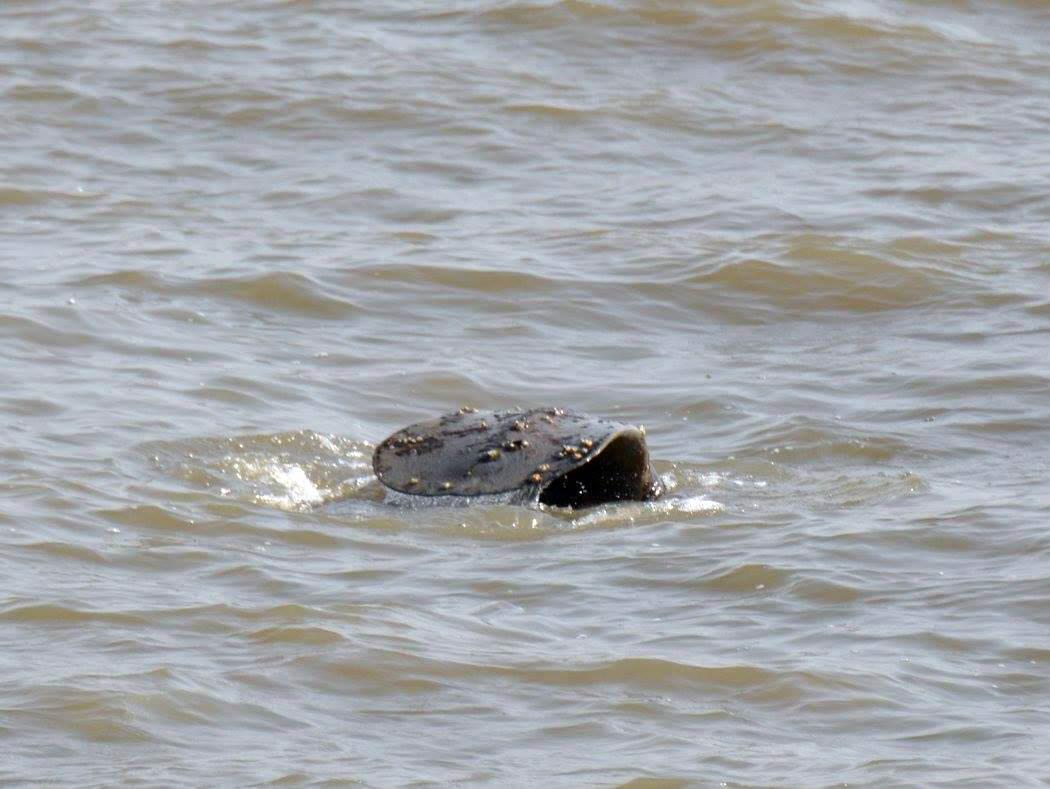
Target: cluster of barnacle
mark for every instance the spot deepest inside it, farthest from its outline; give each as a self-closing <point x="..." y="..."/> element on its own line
<point x="549" y="414"/>
<point x="542" y="469"/>
<point x="511" y="445"/>
<point x="407" y="441"/>
<point x="574" y="452"/>
<point x="413" y="445"/>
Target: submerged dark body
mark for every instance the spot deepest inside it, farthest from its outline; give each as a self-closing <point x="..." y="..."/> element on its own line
<point x="544" y="455"/>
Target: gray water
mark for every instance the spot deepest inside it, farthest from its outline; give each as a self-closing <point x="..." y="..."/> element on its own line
<point x="804" y="243"/>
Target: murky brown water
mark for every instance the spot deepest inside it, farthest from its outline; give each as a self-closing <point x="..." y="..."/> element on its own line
<point x="807" y="244"/>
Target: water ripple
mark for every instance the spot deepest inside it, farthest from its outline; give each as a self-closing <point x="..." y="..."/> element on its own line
<point x="804" y="243"/>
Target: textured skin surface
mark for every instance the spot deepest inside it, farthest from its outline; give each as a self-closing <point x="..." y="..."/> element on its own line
<point x="471" y="453"/>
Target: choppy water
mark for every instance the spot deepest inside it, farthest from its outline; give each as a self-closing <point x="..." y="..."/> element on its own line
<point x="805" y="243"/>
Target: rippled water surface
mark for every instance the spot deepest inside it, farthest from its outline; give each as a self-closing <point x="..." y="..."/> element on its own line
<point x="805" y="243"/>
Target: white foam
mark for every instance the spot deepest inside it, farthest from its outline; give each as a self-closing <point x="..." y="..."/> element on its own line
<point x="698" y="504"/>
<point x="629" y="511"/>
<point x="299" y="489"/>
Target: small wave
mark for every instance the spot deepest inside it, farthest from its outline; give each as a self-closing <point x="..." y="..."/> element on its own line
<point x="299" y="491"/>
<point x="819" y="278"/>
<point x="53" y="613"/>
<point x="802" y="439"/>
<point x="99" y="716"/>
<point x="697" y="504"/>
<point x="279" y="291"/>
<point x="296" y="635"/>
<point x="282" y="291"/>
<point x="490" y="280"/>
<point x="36" y="332"/>
<point x="737" y="30"/>
<point x="751" y="484"/>
<point x="15" y="196"/>
<point x="635" y="513"/>
<point x="745" y="578"/>
<point x="65" y="550"/>
<point x="559" y="113"/>
<point x="31" y="406"/>
<point x="293" y="471"/>
<point x="146" y="516"/>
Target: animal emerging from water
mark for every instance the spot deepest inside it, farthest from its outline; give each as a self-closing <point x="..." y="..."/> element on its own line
<point x="544" y="456"/>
